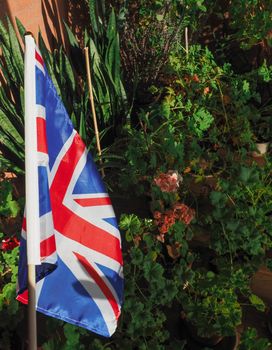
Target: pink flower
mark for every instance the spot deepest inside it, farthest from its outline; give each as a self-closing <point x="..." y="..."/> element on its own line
<point x="183" y="213"/>
<point x="164" y="220"/>
<point x="180" y="212"/>
<point x="168" y="182"/>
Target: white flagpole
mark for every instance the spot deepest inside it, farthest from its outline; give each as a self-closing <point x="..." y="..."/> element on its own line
<point x="32" y="190"/>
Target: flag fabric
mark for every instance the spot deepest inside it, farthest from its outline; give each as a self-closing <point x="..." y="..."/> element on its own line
<point x="80" y="277"/>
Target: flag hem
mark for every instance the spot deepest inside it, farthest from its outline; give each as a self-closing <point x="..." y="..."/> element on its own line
<point x="70" y="320"/>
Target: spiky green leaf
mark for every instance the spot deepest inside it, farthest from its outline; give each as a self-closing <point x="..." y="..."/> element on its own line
<point x="93" y="15"/>
<point x="17" y="55"/>
<point x="4" y="36"/>
<point x="69" y="73"/>
<point x="8" y="128"/>
<point x="72" y="39"/>
<point x="21" y="28"/>
<point x="9" y="66"/>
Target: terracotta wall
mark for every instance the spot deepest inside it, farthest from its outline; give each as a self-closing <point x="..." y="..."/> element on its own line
<point x="46" y="15"/>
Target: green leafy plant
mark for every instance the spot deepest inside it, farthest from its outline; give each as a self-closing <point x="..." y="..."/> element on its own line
<point x="212" y="301"/>
<point x="8" y="205"/>
<point x="218" y="99"/>
<point x="251" y="341"/>
<point x="240" y="223"/>
<point x="11" y="313"/>
<point x="157" y="145"/>
<point x="151" y="287"/>
<point x="211" y="304"/>
<point x="247" y="17"/>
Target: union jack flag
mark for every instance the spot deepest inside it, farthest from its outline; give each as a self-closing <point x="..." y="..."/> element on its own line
<point x="80" y="278"/>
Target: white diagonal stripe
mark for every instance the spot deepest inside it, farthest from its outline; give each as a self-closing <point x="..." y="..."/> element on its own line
<point x="93" y="214"/>
<point x="61" y="154"/>
<point x="87" y="282"/>
<point x="66" y="244"/>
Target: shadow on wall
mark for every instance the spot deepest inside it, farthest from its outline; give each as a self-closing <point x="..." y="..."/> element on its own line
<point x="74" y="13"/>
<point x="54" y="15"/>
<point x="50" y="18"/>
<point x="78" y="17"/>
<point x="4" y="9"/>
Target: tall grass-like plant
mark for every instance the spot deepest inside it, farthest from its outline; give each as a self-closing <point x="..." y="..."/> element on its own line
<point x="103" y="42"/>
<point x="11" y="99"/>
<point x="106" y="66"/>
<point x="62" y="73"/>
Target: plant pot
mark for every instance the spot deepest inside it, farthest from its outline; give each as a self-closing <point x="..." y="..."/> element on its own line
<point x="215" y="341"/>
<point x="261" y="149"/>
<point x="192" y="331"/>
<point x="269" y="321"/>
<point x="261" y="284"/>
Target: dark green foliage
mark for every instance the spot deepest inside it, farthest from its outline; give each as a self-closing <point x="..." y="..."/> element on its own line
<point x="151" y="289"/>
<point x="193" y="118"/>
<point x="11" y="312"/>
<point x="251" y="21"/>
<point x="9" y="207"/>
<point x="250" y="341"/>
<point x="211" y="304"/>
<point x="11" y="97"/>
<point x="105" y="59"/>
<point x="240" y="223"/>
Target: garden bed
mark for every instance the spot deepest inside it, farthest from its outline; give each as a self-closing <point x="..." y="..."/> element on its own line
<point x="179" y="126"/>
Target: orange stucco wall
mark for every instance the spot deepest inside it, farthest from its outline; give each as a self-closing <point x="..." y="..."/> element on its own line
<point x="44" y="15"/>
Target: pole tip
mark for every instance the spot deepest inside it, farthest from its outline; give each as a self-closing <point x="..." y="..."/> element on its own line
<point x="29" y="33"/>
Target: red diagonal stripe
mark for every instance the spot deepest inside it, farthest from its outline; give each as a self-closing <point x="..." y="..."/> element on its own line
<point x="65" y="170"/>
<point x="24" y="224"/>
<point x="69" y="223"/>
<point x="39" y="58"/>
<point x="92" y="202"/>
<point x="41" y="135"/>
<point x="48" y="246"/>
<point x="74" y="227"/>
<point x="23" y="297"/>
<point x="101" y="284"/>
